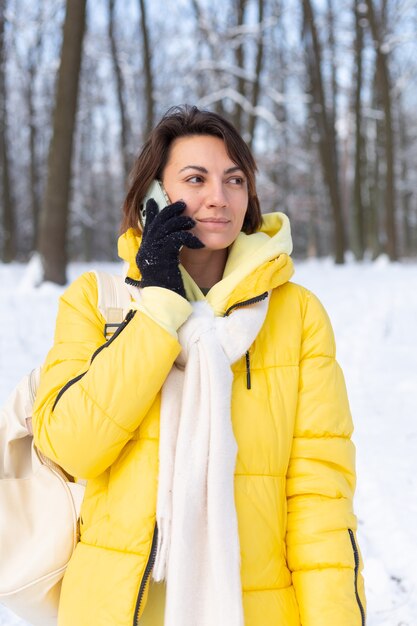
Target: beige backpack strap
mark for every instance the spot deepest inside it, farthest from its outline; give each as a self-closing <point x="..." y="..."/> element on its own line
<point x="113" y="300"/>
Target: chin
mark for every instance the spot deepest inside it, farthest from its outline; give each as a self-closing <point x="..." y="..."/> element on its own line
<point x="216" y="240"/>
<point x="213" y="242"/>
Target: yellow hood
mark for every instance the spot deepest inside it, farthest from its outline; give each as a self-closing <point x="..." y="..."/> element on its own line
<point x="256" y="263"/>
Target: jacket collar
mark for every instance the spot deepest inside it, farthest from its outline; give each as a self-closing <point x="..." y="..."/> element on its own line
<point x="256" y="263"/>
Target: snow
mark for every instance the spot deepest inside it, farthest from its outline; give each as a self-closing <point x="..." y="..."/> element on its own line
<point x="373" y="308"/>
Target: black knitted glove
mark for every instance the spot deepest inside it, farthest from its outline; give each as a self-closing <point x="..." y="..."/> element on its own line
<point x="164" y="235"/>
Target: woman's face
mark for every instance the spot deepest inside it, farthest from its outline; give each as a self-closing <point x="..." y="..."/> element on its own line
<point x="214" y="189"/>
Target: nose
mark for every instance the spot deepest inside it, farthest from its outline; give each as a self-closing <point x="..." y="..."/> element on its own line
<point x="217" y="195"/>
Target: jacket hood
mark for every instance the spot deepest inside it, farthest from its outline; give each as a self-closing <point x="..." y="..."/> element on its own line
<point x="256" y="263"/>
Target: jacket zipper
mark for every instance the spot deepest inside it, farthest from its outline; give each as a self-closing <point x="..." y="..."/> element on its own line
<point x="246" y="303"/>
<point x="248" y="378"/>
<point x="71" y="382"/>
<point x="132" y="281"/>
<point x="147" y="573"/>
<point x="236" y="306"/>
<point x="356" y="557"/>
<point x="121" y="327"/>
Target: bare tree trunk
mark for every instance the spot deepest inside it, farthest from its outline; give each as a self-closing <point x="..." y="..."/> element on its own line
<point x="313" y="248"/>
<point x="204" y="30"/>
<point x="124" y="123"/>
<point x="373" y="224"/>
<point x="258" y="70"/>
<point x="54" y="216"/>
<point x="384" y="82"/>
<point x="374" y="147"/>
<point x="332" y="48"/>
<point x="147" y="66"/>
<point x="281" y="176"/>
<point x="406" y="192"/>
<point x="90" y="202"/>
<point x="34" y="176"/>
<point x="8" y="249"/>
<point x="33" y="165"/>
<point x="358" y="226"/>
<point x="325" y="127"/>
<point x="240" y="63"/>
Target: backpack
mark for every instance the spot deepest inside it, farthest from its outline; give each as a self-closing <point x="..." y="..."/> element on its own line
<point x="39" y="503"/>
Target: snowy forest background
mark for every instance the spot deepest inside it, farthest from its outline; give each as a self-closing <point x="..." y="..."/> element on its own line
<point x="324" y="91"/>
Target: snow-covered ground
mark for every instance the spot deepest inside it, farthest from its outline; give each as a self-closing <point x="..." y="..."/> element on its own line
<point x="373" y="308"/>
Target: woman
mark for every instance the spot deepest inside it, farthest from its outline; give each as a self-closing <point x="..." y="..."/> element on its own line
<point x="214" y="430"/>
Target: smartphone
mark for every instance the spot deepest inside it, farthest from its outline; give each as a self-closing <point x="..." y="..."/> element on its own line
<point x="157" y="192"/>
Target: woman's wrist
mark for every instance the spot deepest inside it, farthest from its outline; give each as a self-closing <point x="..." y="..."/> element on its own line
<point x="165" y="307"/>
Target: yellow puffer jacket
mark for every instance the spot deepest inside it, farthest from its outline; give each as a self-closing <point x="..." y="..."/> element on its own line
<point x="294" y="476"/>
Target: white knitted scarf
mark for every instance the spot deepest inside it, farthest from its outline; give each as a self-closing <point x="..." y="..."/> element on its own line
<point x="198" y="545"/>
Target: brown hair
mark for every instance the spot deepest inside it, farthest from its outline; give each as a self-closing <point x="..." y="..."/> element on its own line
<point x="183" y="121"/>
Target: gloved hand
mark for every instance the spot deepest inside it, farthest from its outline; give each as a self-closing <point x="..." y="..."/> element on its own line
<point x="164" y="234"/>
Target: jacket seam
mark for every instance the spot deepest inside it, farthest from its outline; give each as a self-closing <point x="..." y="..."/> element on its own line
<point x="93" y="402"/>
<point x="140" y="438"/>
<point x="279" y="365"/>
<point x="257" y="589"/>
<point x="323" y="497"/>
<point x="267" y="367"/>
<point x="321" y="436"/>
<point x="307" y="297"/>
<point x="110" y="549"/>
<point x="324" y="567"/>
<point x="331" y="357"/>
<point x="260" y="475"/>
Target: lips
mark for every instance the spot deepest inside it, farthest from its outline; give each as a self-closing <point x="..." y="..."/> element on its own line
<point x="214" y="220"/>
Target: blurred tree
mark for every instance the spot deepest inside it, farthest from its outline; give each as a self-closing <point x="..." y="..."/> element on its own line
<point x="54" y="215"/>
<point x="256" y="87"/>
<point x="8" y="209"/>
<point x="374" y="175"/>
<point x="210" y="71"/>
<point x="331" y="42"/>
<point x="278" y="54"/>
<point x="324" y="118"/>
<point x="358" y="224"/>
<point x="33" y="64"/>
<point x="233" y="67"/>
<point x="384" y="85"/>
<point x="245" y="59"/>
<point x="239" y="47"/>
<point x="406" y="187"/>
<point x="124" y="121"/>
<point x="147" y="67"/>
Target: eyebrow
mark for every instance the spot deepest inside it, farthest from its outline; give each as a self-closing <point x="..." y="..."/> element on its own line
<point x="203" y="170"/>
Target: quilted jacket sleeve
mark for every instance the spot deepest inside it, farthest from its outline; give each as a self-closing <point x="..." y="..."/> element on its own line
<point x="98" y="412"/>
<point x="322" y="548"/>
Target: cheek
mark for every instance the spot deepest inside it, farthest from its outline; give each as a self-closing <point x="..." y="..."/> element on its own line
<point x="172" y="191"/>
<point x="240" y="215"/>
<point x="192" y="203"/>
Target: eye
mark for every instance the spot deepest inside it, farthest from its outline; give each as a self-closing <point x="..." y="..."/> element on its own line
<point x="237" y="180"/>
<point x="195" y="179"/>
